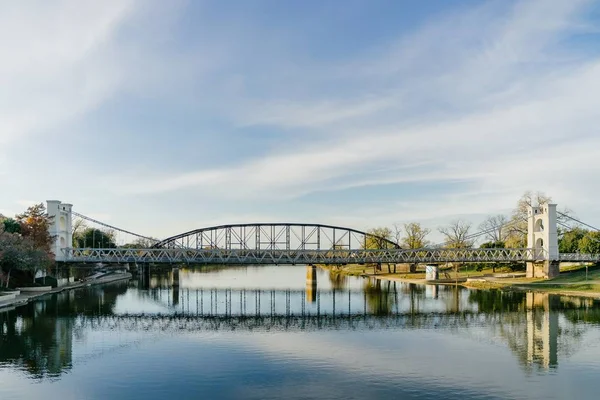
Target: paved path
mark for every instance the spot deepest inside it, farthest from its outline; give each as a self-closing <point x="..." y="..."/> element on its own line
<point x="25" y="297"/>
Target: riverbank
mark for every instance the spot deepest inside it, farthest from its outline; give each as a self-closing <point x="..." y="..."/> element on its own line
<point x="573" y="280"/>
<point x="25" y="297"/>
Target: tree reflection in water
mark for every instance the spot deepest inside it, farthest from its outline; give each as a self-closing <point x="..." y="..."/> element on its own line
<point x="380" y="297"/>
<point x="38" y="337"/>
<point x="337" y="279"/>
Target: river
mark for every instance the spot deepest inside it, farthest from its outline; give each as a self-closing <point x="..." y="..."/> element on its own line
<point x="268" y="332"/>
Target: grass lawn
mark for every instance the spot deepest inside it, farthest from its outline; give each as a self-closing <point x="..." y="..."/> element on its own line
<point x="572" y="279"/>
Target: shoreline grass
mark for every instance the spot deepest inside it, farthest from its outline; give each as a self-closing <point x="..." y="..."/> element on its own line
<point x="573" y="279"/>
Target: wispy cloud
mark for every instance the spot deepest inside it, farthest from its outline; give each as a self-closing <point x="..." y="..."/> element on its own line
<point x="57" y="62"/>
<point x="495" y="97"/>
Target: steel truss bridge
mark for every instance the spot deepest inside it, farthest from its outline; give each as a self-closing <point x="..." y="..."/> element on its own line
<point x="293" y="243"/>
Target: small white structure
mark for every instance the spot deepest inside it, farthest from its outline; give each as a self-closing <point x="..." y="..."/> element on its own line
<point x="61" y="227"/>
<point x="542" y="237"/>
<point x="431" y="272"/>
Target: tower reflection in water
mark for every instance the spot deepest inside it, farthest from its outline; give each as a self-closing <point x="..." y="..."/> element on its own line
<point x="542" y="329"/>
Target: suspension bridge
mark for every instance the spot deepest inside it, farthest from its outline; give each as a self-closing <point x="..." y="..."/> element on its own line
<point x="298" y="243"/>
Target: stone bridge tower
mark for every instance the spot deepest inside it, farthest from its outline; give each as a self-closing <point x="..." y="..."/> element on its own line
<point x="542" y="237"/>
<point x="61" y="227"/>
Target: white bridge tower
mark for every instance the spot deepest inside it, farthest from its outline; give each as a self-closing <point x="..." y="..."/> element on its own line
<point x="542" y="237"/>
<point x="61" y="227"/>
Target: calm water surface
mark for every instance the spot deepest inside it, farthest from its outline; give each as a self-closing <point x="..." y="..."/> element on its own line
<point x="264" y="332"/>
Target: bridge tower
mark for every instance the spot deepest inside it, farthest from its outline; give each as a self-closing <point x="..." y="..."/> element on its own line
<point x="542" y="237"/>
<point x="61" y="226"/>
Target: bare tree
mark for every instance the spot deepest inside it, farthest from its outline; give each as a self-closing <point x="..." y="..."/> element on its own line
<point x="495" y="228"/>
<point x="397" y="233"/>
<point x="516" y="232"/>
<point x="457" y="234"/>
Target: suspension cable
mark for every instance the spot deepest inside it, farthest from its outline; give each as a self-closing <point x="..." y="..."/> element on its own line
<point x="480" y="233"/>
<point x="576" y="220"/>
<point x="153" y="240"/>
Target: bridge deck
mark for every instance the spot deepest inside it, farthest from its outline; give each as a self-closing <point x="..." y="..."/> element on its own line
<point x="334" y="256"/>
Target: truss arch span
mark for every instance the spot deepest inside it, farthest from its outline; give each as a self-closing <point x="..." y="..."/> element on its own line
<point x="276" y="236"/>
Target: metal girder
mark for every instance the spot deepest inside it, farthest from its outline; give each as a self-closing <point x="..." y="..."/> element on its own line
<point x="273" y="236"/>
<point x="330" y="256"/>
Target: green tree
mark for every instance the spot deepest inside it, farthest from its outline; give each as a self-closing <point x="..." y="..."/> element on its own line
<point x="569" y="242"/>
<point x="78" y="227"/>
<point x="590" y="243"/>
<point x="96" y="239"/>
<point x="11" y="226"/>
<point x="493" y="245"/>
<point x="379" y="238"/>
<point x="140" y="243"/>
<point x="21" y="253"/>
<point x="490" y="245"/>
<point x="414" y="236"/>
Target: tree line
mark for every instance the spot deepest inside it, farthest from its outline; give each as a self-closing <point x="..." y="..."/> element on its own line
<point x="497" y="231"/>
<point x="25" y="243"/>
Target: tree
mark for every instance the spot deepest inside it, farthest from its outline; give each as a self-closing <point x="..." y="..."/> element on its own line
<point x="96" y="239"/>
<point x="34" y="224"/>
<point x="19" y="252"/>
<point x="143" y="243"/>
<point x="517" y="228"/>
<point x="590" y="243"/>
<point x="490" y="245"/>
<point x="11" y="226"/>
<point x="569" y="242"/>
<point x="79" y="225"/>
<point x="457" y="234"/>
<point x="11" y="253"/>
<point x="414" y="236"/>
<point x="493" y="245"/>
<point x="379" y="238"/>
<point x="494" y="227"/>
<point x="398" y="232"/>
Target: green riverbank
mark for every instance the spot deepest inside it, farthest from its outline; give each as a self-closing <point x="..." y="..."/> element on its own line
<point x="573" y="280"/>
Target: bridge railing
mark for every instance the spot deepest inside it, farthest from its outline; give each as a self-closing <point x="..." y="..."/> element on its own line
<point x="333" y="256"/>
<point x="577" y="257"/>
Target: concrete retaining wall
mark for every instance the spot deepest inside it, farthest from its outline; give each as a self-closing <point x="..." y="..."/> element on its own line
<point x="35" y="289"/>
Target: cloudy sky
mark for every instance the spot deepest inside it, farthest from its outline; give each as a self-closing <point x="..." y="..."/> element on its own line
<point x="161" y="117"/>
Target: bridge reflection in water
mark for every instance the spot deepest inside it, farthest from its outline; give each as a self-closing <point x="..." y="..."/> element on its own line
<point x="538" y="328"/>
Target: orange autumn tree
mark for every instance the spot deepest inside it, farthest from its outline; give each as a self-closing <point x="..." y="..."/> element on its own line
<point x="34" y="225"/>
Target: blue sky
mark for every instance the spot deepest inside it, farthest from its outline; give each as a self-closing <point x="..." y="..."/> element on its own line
<point x="160" y="117"/>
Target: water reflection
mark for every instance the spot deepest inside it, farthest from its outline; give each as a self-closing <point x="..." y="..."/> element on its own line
<point x="38" y="337"/>
<point x="539" y="329"/>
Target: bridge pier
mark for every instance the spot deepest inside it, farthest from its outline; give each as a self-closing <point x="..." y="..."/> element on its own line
<point x="175" y="273"/>
<point x="176" y="296"/>
<point x="544" y="269"/>
<point x="144" y="271"/>
<point x="311" y="283"/>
